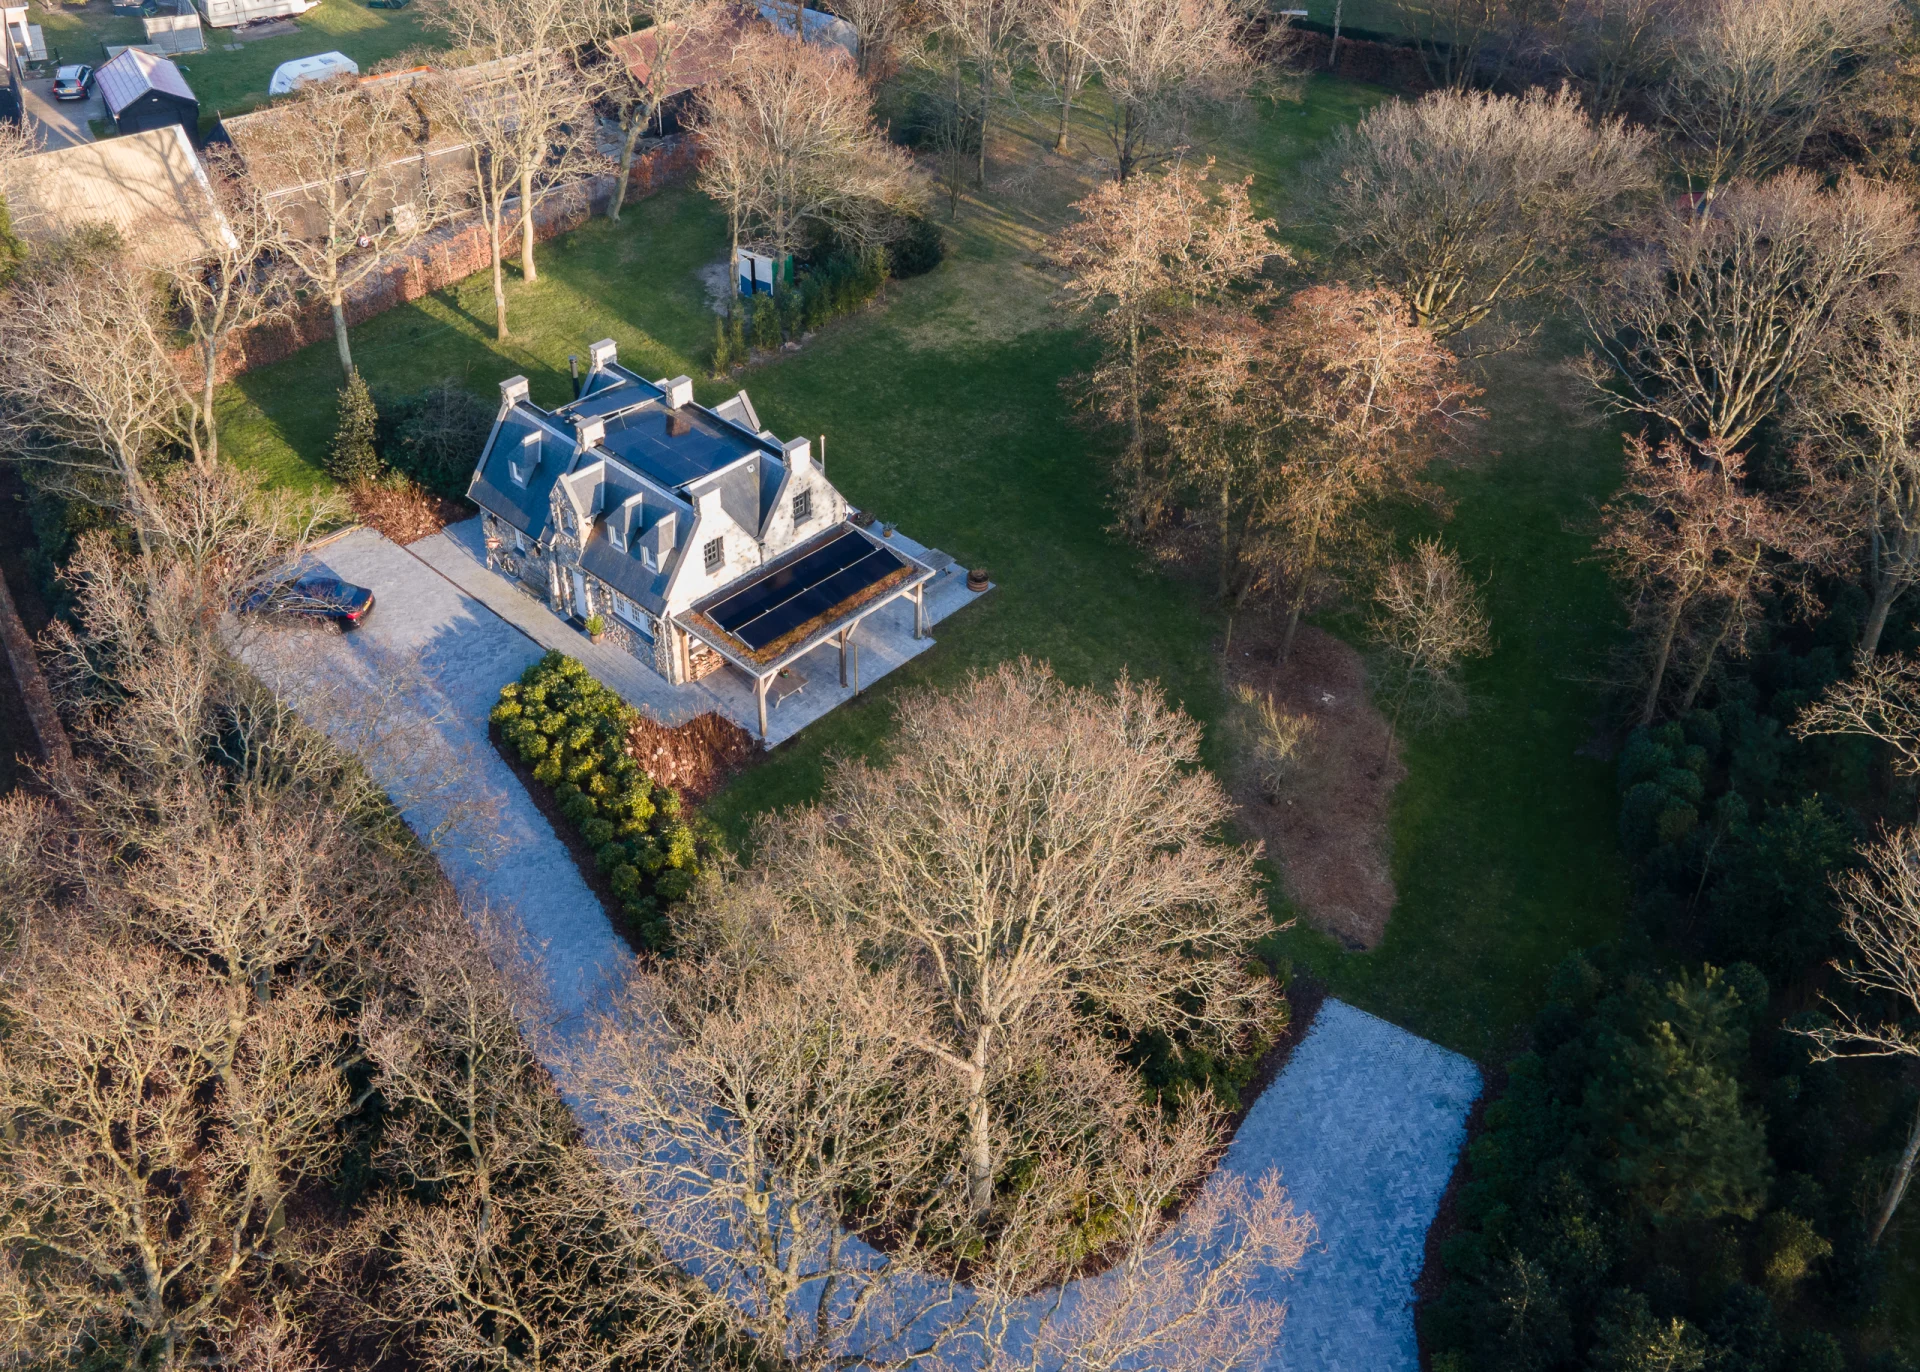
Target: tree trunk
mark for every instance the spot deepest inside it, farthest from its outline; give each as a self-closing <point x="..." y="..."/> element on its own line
<point x="979" y="1154"/>
<point x="210" y="455"/>
<point x="1902" y="1174"/>
<point x="1333" y="48"/>
<point x="528" y="271"/>
<point x="1136" y="427"/>
<point x="1066" y="114"/>
<point x="1660" y="656"/>
<point x="1699" y="677"/>
<point x="626" y="165"/>
<point x="499" y="282"/>
<point x="1300" y="593"/>
<point x="338" y="302"/>
<point x="986" y="110"/>
<point x="1885" y="592"/>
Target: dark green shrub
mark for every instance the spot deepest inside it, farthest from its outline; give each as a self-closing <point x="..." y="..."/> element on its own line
<point x="352" y="457"/>
<point x="722" y="357"/>
<point x="918" y="249"/>
<point x="435" y="435"/>
<point x="574" y="731"/>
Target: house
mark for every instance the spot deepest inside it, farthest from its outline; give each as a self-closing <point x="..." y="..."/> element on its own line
<point x="149" y="186"/>
<point x="816" y="26"/>
<point x="701" y="541"/>
<point x="146" y="92"/>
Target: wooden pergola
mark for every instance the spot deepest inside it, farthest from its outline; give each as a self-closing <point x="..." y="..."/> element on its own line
<point x="836" y="626"/>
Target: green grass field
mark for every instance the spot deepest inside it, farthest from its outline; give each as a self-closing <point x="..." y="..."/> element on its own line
<point x="944" y="412"/>
<point x="228" y="82"/>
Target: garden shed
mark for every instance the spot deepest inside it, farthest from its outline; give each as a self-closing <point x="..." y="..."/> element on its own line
<point x="146" y="92"/>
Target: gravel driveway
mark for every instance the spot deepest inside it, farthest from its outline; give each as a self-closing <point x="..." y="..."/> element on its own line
<point x="1364" y="1123"/>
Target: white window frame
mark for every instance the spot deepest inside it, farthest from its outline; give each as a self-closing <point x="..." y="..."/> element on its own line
<point x="802" y="506"/>
<point x="615" y="535"/>
<point x="633" y="615"/>
<point x="714" y="555"/>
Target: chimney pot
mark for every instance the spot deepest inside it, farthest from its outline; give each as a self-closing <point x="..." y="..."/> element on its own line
<point x="588" y="432"/>
<point x="513" y="390"/>
<point x="679" y="391"/>
<point x="602" y="353"/>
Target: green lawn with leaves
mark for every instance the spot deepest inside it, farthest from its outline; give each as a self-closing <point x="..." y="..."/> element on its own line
<point x="944" y="410"/>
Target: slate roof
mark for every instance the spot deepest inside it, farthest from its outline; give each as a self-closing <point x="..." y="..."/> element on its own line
<point x="133" y="73"/>
<point x="528" y="507"/>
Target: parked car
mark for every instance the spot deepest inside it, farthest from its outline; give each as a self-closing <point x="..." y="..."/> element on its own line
<point x="72" y="83"/>
<point x="315" y="599"/>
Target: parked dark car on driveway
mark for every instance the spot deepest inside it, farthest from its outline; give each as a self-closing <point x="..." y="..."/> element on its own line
<point x="72" y="83"/>
<point x="315" y="599"/>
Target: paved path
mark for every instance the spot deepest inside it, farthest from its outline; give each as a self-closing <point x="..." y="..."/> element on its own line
<point x="1364" y="1123"/>
<point x="60" y="123"/>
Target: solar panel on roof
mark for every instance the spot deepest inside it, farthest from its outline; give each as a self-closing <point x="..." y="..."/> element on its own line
<point x="672" y="446"/>
<point x="805" y="589"/>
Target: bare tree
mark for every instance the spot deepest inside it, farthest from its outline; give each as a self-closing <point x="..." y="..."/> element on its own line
<point x="1880" y="915"/>
<point x="1865" y="410"/>
<point x="683" y="46"/>
<point x="88" y="389"/>
<point x="1881" y="701"/>
<point x="763" y="1092"/>
<point x="881" y="29"/>
<point x="1616" y="49"/>
<point x="1027" y="842"/>
<point x="1143" y="247"/>
<point x="1468" y="202"/>
<point x="1272" y="737"/>
<point x="1469" y="42"/>
<point x="233" y="287"/>
<point x="1709" y="325"/>
<point x="1365" y="399"/>
<point x="1157" y="60"/>
<point x="982" y="37"/>
<point x="527" y="121"/>
<point x="348" y="184"/>
<point x="1058" y="33"/>
<point x="1753" y="79"/>
<point x="1688" y="536"/>
<point x="791" y="145"/>
<point x="524" y="102"/>
<point x="1428" y="619"/>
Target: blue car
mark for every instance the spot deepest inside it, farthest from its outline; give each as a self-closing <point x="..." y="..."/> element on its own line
<point x="314" y="598"/>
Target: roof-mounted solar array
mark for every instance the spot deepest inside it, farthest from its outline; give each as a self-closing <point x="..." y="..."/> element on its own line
<point x="775" y="605"/>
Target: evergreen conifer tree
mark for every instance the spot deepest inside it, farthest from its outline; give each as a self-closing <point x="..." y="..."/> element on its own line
<point x="352" y="458"/>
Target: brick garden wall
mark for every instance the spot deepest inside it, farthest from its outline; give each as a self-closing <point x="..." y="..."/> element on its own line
<point x="1382" y="64"/>
<point x="452" y="254"/>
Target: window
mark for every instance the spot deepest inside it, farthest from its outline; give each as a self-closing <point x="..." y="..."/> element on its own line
<point x="519" y="541"/>
<point x="616" y="535"/>
<point x="633" y="615"/>
<point x="802" y="508"/>
<point x="716" y="553"/>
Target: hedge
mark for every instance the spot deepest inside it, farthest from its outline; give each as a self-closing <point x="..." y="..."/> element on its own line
<point x="572" y="732"/>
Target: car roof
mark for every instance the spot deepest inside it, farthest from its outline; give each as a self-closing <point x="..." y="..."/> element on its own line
<point x="66" y="72"/>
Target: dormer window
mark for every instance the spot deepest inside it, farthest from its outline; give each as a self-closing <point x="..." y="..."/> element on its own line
<point x="802" y="507"/>
<point x="716" y="553"/>
<point x="646" y="560"/>
<point x="616" y="535"/>
<point x="522" y="467"/>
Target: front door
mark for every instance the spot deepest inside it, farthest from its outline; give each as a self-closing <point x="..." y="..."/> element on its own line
<point x="582" y="604"/>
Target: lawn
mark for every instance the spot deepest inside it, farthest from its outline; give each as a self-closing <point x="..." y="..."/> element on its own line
<point x="230" y="77"/>
<point x="945" y="412"/>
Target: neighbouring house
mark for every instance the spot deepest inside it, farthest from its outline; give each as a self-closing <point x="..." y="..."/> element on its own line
<point x="225" y="14"/>
<point x="816" y="26"/>
<point x="146" y="92"/>
<point x="700" y="540"/>
<point x="695" y="63"/>
<point x="150" y="187"/>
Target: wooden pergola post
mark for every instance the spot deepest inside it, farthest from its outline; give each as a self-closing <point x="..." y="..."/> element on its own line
<point x="760" y="700"/>
<point x="920" y="611"/>
<point x="845" y="634"/>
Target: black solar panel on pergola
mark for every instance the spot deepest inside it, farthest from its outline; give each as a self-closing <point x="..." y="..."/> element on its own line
<point x="804" y="589"/>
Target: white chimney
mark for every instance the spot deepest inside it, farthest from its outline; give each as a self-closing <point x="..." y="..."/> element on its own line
<point x="513" y="390"/>
<point x="796" y="451"/>
<point x="603" y="353"/>
<point x="589" y="431"/>
<point x="679" y="391"/>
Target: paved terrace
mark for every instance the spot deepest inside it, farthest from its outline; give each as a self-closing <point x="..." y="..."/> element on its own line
<point x="885" y="640"/>
<point x="1364" y="1124"/>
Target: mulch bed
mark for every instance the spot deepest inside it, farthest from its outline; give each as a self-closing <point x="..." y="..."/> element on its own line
<point x="1327" y="830"/>
<point x="696" y="758"/>
<point x="406" y="512"/>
